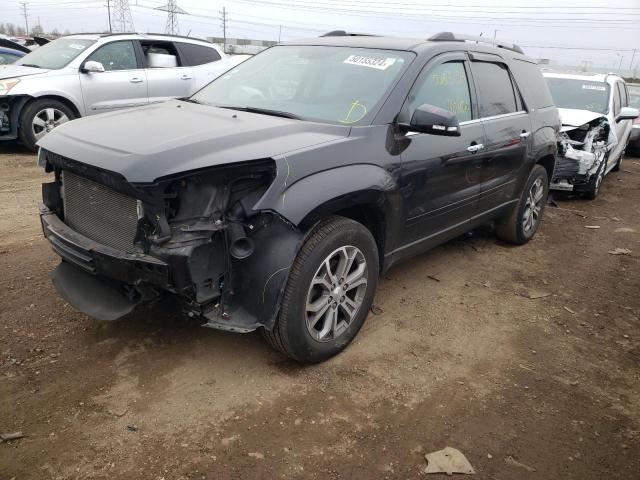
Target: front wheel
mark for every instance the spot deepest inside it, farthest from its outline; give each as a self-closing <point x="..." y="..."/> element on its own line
<point x="329" y="292"/>
<point x="522" y="223"/>
<point x="595" y="182"/>
<point x="40" y="117"/>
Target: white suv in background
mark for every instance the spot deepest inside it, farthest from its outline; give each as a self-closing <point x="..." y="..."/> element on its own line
<point x="81" y="75"/>
<point x="596" y="125"/>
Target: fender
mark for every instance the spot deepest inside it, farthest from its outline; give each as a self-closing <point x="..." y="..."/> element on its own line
<point x="334" y="189"/>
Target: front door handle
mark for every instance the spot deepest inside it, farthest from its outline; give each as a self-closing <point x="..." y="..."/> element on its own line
<point x="186" y="77"/>
<point x="135" y="80"/>
<point x="525" y="134"/>
<point x="475" y="148"/>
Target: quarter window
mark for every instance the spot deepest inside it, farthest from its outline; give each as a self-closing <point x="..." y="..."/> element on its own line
<point x="116" y="56"/>
<point x="496" y="95"/>
<point x="445" y="86"/>
<point x="198" y="54"/>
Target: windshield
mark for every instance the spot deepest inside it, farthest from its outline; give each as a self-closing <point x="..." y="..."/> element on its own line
<point x="634" y="96"/>
<point x="579" y="94"/>
<point x="56" y="54"/>
<point x="342" y="85"/>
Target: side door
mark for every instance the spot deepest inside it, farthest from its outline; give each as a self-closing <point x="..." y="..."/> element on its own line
<point x="206" y="62"/>
<point x="440" y="174"/>
<point x="123" y="83"/>
<point x="167" y="72"/>
<point x="507" y="125"/>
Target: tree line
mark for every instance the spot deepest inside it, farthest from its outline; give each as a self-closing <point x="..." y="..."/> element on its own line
<point x="17" y="31"/>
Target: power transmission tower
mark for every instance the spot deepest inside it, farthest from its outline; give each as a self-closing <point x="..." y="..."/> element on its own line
<point x="26" y="21"/>
<point x="223" y="19"/>
<point x="172" y="10"/>
<point x="122" y="20"/>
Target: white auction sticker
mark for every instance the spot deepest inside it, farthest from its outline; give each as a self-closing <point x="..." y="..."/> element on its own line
<point x="600" y="88"/>
<point x="377" y="63"/>
<point x="77" y="46"/>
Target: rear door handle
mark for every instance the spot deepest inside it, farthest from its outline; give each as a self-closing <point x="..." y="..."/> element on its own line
<point x="525" y="134"/>
<point x="186" y="77"/>
<point x="475" y="148"/>
<point x="135" y="80"/>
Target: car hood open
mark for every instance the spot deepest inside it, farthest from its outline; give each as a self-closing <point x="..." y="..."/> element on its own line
<point x="152" y="142"/>
<point x="572" y="118"/>
<point x="13" y="71"/>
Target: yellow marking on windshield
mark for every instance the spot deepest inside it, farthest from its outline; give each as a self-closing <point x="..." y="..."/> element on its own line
<point x="354" y="105"/>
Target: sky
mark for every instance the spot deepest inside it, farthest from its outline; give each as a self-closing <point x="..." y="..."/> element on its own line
<point x="602" y="32"/>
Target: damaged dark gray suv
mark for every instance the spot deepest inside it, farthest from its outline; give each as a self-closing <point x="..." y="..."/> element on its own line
<point x="274" y="197"/>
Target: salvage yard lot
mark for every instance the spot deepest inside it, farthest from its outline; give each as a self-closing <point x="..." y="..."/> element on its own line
<point x="526" y="352"/>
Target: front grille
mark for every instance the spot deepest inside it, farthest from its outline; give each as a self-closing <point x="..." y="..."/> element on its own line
<point x="99" y="212"/>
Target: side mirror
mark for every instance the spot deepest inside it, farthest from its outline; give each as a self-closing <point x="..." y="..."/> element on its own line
<point x="435" y="121"/>
<point x="92" y="67"/>
<point x="627" y="113"/>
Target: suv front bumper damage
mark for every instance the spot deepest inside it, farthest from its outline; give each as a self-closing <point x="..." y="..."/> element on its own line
<point x="106" y="284"/>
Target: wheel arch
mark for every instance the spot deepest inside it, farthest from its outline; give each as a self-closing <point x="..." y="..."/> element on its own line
<point x="62" y="99"/>
<point x="549" y="163"/>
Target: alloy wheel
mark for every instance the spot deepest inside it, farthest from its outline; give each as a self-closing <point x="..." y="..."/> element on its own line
<point x="336" y="293"/>
<point x="533" y="206"/>
<point x="46" y="120"/>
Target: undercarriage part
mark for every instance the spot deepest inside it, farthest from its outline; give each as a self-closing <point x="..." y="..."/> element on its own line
<point x="5" y="122"/>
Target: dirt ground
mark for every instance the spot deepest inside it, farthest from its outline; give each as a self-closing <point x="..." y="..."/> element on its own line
<point x="528" y="354"/>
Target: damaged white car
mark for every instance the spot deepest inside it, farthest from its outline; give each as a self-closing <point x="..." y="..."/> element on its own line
<point x="596" y="124"/>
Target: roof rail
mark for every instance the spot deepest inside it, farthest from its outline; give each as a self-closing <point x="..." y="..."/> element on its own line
<point x="456" y="37"/>
<point x="114" y="34"/>
<point x="342" y="33"/>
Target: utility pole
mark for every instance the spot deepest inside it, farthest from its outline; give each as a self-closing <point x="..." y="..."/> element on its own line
<point x="279" y="33"/>
<point x="26" y="19"/>
<point x="633" y="55"/>
<point x="109" y="14"/>
<point x="495" y="32"/>
<point x="620" y="64"/>
<point x="224" y="29"/>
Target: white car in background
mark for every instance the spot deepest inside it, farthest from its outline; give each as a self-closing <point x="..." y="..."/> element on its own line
<point x="596" y="125"/>
<point x="80" y="75"/>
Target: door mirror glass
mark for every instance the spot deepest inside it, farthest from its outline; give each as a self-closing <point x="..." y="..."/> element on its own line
<point x="434" y="120"/>
<point x="92" y="66"/>
<point x="627" y="113"/>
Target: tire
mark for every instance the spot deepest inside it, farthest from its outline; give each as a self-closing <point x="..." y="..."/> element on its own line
<point x="618" y="164"/>
<point x="331" y="242"/>
<point x="591" y="191"/>
<point x="39" y="117"/>
<point x="522" y="223"/>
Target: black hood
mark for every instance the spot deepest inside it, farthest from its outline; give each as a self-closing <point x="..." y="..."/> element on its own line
<point x="152" y="142"/>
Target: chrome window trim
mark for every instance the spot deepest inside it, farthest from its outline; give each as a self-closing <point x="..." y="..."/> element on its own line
<point x="494" y="117"/>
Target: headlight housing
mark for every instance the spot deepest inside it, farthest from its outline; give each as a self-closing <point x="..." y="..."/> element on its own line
<point x="7" y="84"/>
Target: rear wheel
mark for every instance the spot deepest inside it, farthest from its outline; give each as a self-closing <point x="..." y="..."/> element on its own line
<point x="40" y="117"/>
<point x="329" y="292"/>
<point x="522" y="223"/>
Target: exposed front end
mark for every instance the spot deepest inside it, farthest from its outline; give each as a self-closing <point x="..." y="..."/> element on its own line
<point x="582" y="154"/>
<point x="194" y="236"/>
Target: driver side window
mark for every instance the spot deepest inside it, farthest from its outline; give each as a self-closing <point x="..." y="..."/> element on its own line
<point x="116" y="56"/>
<point x="445" y="86"/>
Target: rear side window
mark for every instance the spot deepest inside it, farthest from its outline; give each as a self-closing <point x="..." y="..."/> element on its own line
<point x="198" y="54"/>
<point x="496" y="95"/>
<point x="445" y="86"/>
<point x="529" y="75"/>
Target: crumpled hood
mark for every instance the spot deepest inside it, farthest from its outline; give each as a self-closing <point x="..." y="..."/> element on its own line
<point x="12" y="71"/>
<point x="573" y="118"/>
<point x="148" y="143"/>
